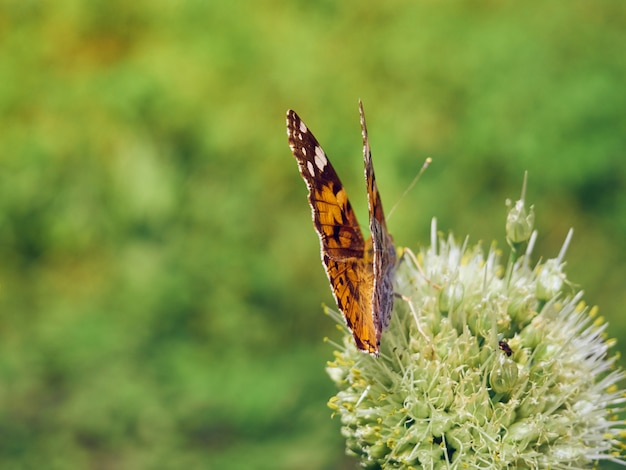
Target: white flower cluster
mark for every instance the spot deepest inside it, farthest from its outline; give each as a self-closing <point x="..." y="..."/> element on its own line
<point x="482" y="366"/>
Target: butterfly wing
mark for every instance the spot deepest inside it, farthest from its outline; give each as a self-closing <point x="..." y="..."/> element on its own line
<point x="341" y="240"/>
<point x="382" y="247"/>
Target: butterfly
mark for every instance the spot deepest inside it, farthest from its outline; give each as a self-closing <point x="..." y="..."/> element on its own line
<point x="360" y="271"/>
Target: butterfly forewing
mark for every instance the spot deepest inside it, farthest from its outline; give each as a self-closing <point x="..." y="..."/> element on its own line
<point x="354" y="266"/>
<point x="334" y="219"/>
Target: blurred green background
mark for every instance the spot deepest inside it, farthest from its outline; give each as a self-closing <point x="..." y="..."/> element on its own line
<point x="160" y="283"/>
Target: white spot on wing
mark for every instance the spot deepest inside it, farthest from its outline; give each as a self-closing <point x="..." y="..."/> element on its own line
<point x="304" y="151"/>
<point x="302" y="127"/>
<point x="320" y="158"/>
<point x="309" y="165"/>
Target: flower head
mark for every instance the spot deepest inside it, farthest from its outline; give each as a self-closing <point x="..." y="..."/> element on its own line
<point x="482" y="366"/>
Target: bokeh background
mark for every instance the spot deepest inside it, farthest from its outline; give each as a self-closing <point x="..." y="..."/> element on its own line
<point x="160" y="283"/>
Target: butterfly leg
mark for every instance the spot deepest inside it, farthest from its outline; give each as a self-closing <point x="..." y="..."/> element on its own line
<point x="409" y="302"/>
<point x="406" y="252"/>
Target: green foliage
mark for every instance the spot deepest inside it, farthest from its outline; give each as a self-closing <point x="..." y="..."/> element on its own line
<point x="160" y="284"/>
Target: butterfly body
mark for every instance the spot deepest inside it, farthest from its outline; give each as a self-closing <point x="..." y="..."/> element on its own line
<point x="360" y="271"/>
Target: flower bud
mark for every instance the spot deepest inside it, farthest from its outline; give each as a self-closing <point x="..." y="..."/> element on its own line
<point x="519" y="223"/>
<point x="549" y="280"/>
<point x="503" y="377"/>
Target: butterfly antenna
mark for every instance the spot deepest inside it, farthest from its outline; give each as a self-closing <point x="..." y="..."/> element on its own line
<point x="410" y="186"/>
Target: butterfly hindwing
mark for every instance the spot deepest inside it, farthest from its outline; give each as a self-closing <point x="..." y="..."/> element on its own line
<point x="384" y="251"/>
<point x="360" y="272"/>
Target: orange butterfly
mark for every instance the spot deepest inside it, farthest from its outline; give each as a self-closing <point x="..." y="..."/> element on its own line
<point x="360" y="272"/>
